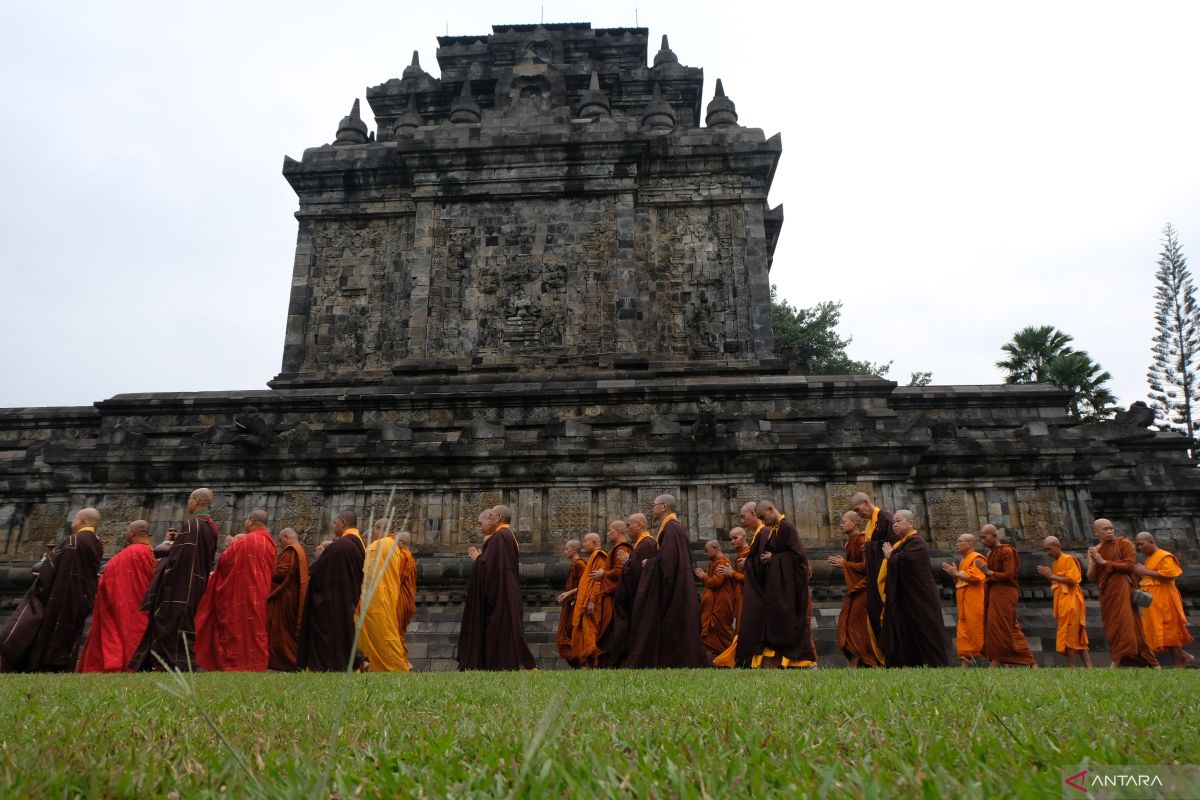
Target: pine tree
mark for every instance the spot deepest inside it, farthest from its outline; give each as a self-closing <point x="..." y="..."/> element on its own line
<point x="1174" y="374"/>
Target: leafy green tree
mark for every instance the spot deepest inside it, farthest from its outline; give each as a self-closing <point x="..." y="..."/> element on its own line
<point x="1091" y="399"/>
<point x="808" y="340"/>
<point x="1175" y="370"/>
<point x="920" y="379"/>
<point x="1031" y="351"/>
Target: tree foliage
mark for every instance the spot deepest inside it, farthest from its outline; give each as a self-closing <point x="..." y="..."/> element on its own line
<point x="807" y="339"/>
<point x="1031" y="351"/>
<point x="1174" y="374"/>
<point x="1042" y="354"/>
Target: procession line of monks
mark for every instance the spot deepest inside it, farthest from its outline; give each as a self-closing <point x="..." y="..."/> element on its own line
<point x="635" y="605"/>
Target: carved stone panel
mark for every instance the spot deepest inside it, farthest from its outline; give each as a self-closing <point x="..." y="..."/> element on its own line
<point x="570" y="512"/>
<point x="302" y="511"/>
<point x="947" y="511"/>
<point x="116" y="512"/>
<point x="44" y="523"/>
<point x="401" y="508"/>
<point x="839" y="499"/>
<point x="470" y="503"/>
<point x="1040" y="514"/>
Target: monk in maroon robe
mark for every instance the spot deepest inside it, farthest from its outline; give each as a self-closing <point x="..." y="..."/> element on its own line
<point x="877" y="532"/>
<point x="912" y="631"/>
<point x="1111" y="564"/>
<point x="231" y="622"/>
<point x="289" y="587"/>
<point x="176" y="589"/>
<point x="666" y="612"/>
<point x="327" y="630"/>
<point x="118" y="621"/>
<point x="615" y="641"/>
<point x="776" y="627"/>
<point x="43" y="634"/>
<point x="492" y="636"/>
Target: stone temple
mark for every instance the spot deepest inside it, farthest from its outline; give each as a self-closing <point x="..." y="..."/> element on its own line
<point x="543" y="278"/>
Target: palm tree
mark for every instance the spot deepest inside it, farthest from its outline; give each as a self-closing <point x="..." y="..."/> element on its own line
<point x="1031" y="351"/>
<point x="1091" y="400"/>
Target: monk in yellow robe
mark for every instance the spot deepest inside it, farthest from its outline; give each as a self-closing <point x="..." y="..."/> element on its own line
<point x="1163" y="621"/>
<point x="970" y="590"/>
<point x="748" y="516"/>
<point x="1070" y="609"/>
<point x="566" y="600"/>
<point x="382" y="638"/>
<point x="1111" y="563"/>
<point x="593" y="611"/>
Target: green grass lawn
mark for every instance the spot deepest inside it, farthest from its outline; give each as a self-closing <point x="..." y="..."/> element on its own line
<point x="839" y="733"/>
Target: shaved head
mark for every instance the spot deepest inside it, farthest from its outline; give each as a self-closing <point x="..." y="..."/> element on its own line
<point x="203" y="496"/>
<point x="88" y="516"/>
<point x="591" y="542"/>
<point x="713" y="548"/>
<point x="349" y="517"/>
<point x="989" y="535"/>
<point x="1051" y="540"/>
<point x="1146" y="543"/>
<point x="637" y="521"/>
<point x="504" y="513"/>
<point x="763" y="506"/>
<point x="137" y="531"/>
<point x="750" y="506"/>
<point x="667" y="500"/>
<point x="288" y="536"/>
<point x="1145" y="536"/>
<point x="380" y="527"/>
<point x="404" y="538"/>
<point x="737" y="538"/>
<point x="965" y="543"/>
<point x="903" y="521"/>
<point x="140" y="526"/>
<point x="573" y="544"/>
<point x="259" y="517"/>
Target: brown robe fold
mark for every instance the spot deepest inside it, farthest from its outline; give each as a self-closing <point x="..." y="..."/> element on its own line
<point x="666" y="611"/>
<point x="912" y="631"/>
<point x="289" y="586"/>
<point x="873" y="555"/>
<point x="43" y="633"/>
<point x="616" y="640"/>
<point x="1003" y="639"/>
<point x="327" y="624"/>
<point x="739" y="585"/>
<point x="777" y="605"/>
<point x="718" y="604"/>
<point x="853" y="631"/>
<point x="174" y="593"/>
<point x="1122" y="624"/>
<point x="566" y="613"/>
<point x="493" y="634"/>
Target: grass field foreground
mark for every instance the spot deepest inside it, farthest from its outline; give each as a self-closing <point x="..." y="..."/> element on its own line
<point x="692" y="734"/>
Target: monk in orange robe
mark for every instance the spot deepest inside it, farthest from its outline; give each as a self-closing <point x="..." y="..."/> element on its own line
<point x="566" y="601"/>
<point x="1110" y="567"/>
<point x="406" y="603"/>
<point x="736" y="571"/>
<point x="1163" y="621"/>
<point x="231" y="620"/>
<point x="1070" y="609"/>
<point x="742" y="538"/>
<point x="592" y="613"/>
<point x="718" y="603"/>
<point x="853" y="638"/>
<point x="285" y="603"/>
<point x="970" y="591"/>
<point x="118" y="621"/>
<point x="620" y="550"/>
<point x="1003" y="640"/>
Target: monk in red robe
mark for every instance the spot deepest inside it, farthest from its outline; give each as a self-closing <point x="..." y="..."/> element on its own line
<point x="1111" y="565"/>
<point x="616" y="640"/>
<point x="912" y="631"/>
<point x="718" y="601"/>
<point x="1163" y="621"/>
<point x="853" y="632"/>
<point x="666" y="611"/>
<point x="493" y="631"/>
<point x="43" y="633"/>
<point x="327" y="631"/>
<point x="592" y="611"/>
<point x="231" y="621"/>
<point x="1003" y="640"/>
<point x="1070" y="609"/>
<point x="289" y="586"/>
<point x="118" y="621"/>
<point x="566" y="601"/>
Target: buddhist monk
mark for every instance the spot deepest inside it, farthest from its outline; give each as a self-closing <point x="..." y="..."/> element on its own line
<point x="619" y="551"/>
<point x="718" y="603"/>
<point x="748" y="517"/>
<point x="493" y="632"/>
<point x="735" y="571"/>
<point x="381" y="639"/>
<point x="43" y="633"/>
<point x="335" y="582"/>
<point x="592" y="611"/>
<point x="666" y="611"/>
<point x="566" y="601"/>
<point x="1003" y="640"/>
<point x="1163" y="621"/>
<point x="877" y="531"/>
<point x="176" y="589"/>
<point x="118" y="621"/>
<point x="970" y="592"/>
<point x="1070" y="608"/>
<point x="912" y="632"/>
<point x="1110" y="566"/>
<point x="289" y="588"/>
<point x="406" y="601"/>
<point x="776" y="628"/>
<point x="853" y="636"/>
<point x="616" y="641"/>
<point x="231" y="620"/>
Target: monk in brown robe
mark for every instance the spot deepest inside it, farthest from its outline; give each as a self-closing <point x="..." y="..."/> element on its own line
<point x="1003" y="640"/>
<point x="44" y="632"/>
<point x="1163" y="621"/>
<point x="666" y="612"/>
<point x="616" y="640"/>
<point x="176" y="589"/>
<point x="748" y="517"/>
<point x="406" y="602"/>
<point x="619" y="552"/>
<point x="1110" y="566"/>
<point x="970" y="594"/>
<point x="289" y="586"/>
<point x="735" y="570"/>
<point x="776" y="629"/>
<point x="327" y="630"/>
<point x="718" y="601"/>
<point x="853" y="637"/>
<point x="878" y="531"/>
<point x="493" y="633"/>
<point x="566" y="601"/>
<point x="1070" y="609"/>
<point x="912" y="631"/>
<point x="592" y="613"/>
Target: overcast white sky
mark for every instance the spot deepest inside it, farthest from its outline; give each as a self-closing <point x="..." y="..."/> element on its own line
<point x="952" y="171"/>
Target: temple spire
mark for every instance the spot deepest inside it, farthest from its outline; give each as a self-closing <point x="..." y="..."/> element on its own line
<point x="659" y="115"/>
<point x="414" y="70"/>
<point x="664" y="55"/>
<point x="594" y="103"/>
<point x="410" y="118"/>
<point x="463" y="109"/>
<point x="721" y="112"/>
<point x="352" y="130"/>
